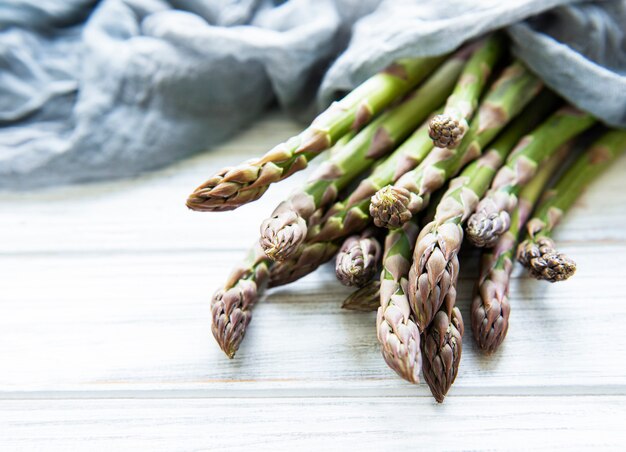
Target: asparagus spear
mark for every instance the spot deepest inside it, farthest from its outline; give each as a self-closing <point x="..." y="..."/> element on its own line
<point x="233" y="187"/>
<point x="393" y="206"/>
<point x="442" y="344"/>
<point x="396" y="329"/>
<point x="231" y="306"/>
<point x="435" y="263"/>
<point x="544" y="261"/>
<point x="305" y="261"/>
<point x="492" y="216"/>
<point x="490" y="307"/>
<point x="447" y="130"/>
<point x="351" y="214"/>
<point x="357" y="260"/>
<point x="365" y="299"/>
<point x="537" y="253"/>
<point x="286" y="229"/>
<point x="348" y="216"/>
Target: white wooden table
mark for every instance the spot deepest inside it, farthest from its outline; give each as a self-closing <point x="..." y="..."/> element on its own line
<point x="105" y="339"/>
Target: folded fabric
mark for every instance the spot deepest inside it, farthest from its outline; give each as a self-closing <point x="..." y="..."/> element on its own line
<point x="94" y="90"/>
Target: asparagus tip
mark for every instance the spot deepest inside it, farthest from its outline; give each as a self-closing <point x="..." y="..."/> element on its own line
<point x="365" y="299"/>
<point x="357" y="260"/>
<point x="399" y="338"/>
<point x="441" y="351"/>
<point x="484" y="229"/>
<point x="282" y="234"/>
<point x="201" y="201"/>
<point x="490" y="311"/>
<point x="230" y="315"/>
<point x="389" y="207"/>
<point x="543" y="261"/>
<point x="446" y="131"/>
<point x="217" y="193"/>
<point x="221" y="197"/>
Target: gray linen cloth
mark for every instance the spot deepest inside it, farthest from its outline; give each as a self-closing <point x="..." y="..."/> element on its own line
<point x="94" y="90"/>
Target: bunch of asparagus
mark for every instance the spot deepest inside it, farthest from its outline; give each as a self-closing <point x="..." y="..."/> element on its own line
<point x="422" y="154"/>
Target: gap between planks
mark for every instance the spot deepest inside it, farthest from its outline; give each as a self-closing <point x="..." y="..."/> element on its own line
<point x="565" y="391"/>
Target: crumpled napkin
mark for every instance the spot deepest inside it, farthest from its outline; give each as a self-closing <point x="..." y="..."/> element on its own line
<point x="95" y="90"/>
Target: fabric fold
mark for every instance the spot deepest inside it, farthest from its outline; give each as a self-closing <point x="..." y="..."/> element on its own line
<point x="98" y="90"/>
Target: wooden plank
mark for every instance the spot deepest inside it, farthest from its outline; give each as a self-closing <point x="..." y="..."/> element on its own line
<point x="105" y="337"/>
<point x="141" y="322"/>
<point x="368" y="424"/>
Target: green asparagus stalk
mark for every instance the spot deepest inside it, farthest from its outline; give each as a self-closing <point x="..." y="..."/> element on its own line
<point x="537" y="253"/>
<point x="305" y="261"/>
<point x="447" y="130"/>
<point x="231" y="306"/>
<point x="357" y="260"/>
<point x="233" y="187"/>
<point x="311" y="255"/>
<point x="490" y="307"/>
<point x="392" y="206"/>
<point x="435" y="265"/>
<point x="365" y="299"/>
<point x="286" y="229"/>
<point x="249" y="279"/>
<point x="396" y="329"/>
<point x="351" y="215"/>
<point x="442" y="344"/>
<point x="492" y="217"/>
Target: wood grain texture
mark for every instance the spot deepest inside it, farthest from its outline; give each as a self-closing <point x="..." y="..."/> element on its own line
<point x="314" y="424"/>
<point x="104" y="332"/>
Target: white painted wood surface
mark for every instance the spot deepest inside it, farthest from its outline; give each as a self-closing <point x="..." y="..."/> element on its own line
<point x="105" y="340"/>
